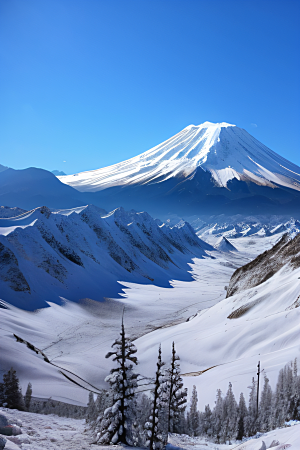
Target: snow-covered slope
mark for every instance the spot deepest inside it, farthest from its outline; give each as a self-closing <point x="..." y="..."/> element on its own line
<point x="75" y="336"/>
<point x="286" y="251"/>
<point x="223" y="343"/>
<point x="84" y="253"/>
<point x="224" y="150"/>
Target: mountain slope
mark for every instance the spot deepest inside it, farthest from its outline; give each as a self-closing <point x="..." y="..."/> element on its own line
<point x="85" y="252"/>
<point x="223" y="343"/>
<point x="286" y="251"/>
<point x="32" y="187"/>
<point x="224" y="245"/>
<point x="210" y="168"/>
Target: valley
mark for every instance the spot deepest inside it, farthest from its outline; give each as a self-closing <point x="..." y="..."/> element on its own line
<point x="193" y="311"/>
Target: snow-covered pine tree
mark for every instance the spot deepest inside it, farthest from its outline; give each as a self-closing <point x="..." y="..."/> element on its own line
<point x="294" y="411"/>
<point x="177" y="395"/>
<point x="242" y="413"/>
<point x="91" y="412"/>
<point x="230" y="414"/>
<point x="115" y="424"/>
<point x="217" y="417"/>
<point x="250" y="421"/>
<point x="265" y="407"/>
<point x="156" y="427"/>
<point x="206" y="421"/>
<point x="283" y="396"/>
<point x="194" y="416"/>
<point x="28" y="395"/>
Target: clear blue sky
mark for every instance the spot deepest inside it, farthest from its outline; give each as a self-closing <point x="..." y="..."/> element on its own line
<point x="94" y="82"/>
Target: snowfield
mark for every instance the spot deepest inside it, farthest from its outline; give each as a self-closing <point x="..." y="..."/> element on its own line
<point x="52" y="433"/>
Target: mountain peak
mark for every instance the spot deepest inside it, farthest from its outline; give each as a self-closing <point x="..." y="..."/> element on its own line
<point x="210" y="125"/>
<point x="224" y="150"/>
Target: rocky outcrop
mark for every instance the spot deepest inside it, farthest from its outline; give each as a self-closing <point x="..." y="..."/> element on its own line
<point x="286" y="251"/>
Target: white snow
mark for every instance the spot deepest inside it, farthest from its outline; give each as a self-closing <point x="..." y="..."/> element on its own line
<point x="223" y="149"/>
<point x="76" y="337"/>
<point x="51" y="432"/>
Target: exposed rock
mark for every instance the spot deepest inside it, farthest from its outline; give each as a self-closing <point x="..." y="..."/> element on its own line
<point x="10" y="272"/>
<point x="286" y="251"/>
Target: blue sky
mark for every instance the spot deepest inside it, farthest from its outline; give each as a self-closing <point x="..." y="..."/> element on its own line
<point x="85" y="84"/>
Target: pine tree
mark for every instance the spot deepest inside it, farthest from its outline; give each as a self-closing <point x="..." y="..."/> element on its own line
<point x="250" y="421"/>
<point x="242" y="413"/>
<point x="194" y="416"/>
<point x="217" y="416"/>
<point x="206" y="421"/>
<point x="115" y="424"/>
<point x="28" y="395"/>
<point x="230" y="413"/>
<point x="156" y="431"/>
<point x="12" y="393"/>
<point x="177" y="395"/>
<point x="91" y="413"/>
<point x="265" y="407"/>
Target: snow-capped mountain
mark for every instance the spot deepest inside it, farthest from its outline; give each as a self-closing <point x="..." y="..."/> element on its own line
<point x="185" y="172"/>
<point x="217" y="228"/>
<point x="84" y="252"/>
<point x="224" y="150"/>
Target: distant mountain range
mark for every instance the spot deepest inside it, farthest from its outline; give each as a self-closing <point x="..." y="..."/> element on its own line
<point x="205" y="169"/>
<point x="84" y="252"/>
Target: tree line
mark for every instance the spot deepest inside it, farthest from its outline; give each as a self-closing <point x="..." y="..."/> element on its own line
<point x="230" y="419"/>
<point x="123" y="414"/>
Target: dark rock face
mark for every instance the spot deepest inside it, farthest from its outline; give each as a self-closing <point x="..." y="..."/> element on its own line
<point x="286" y="251"/>
<point x="10" y="272"/>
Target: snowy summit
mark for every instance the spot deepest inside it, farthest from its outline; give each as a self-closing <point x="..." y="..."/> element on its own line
<point x="224" y="150"/>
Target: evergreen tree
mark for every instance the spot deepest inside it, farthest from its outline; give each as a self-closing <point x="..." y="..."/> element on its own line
<point x="230" y="414"/>
<point x="28" y="395"/>
<point x="194" y="416"/>
<point x="242" y="413"/>
<point x="217" y="416"/>
<point x="294" y="411"/>
<point x="206" y="421"/>
<point x="157" y="432"/>
<point x="250" y="421"/>
<point x="177" y="395"/>
<point x="11" y="391"/>
<point x="116" y="422"/>
<point x="265" y="407"/>
<point x="91" y="413"/>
